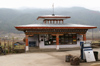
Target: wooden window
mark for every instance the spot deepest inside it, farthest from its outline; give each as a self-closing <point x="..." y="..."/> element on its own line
<point x="68" y="39"/>
<point x="63" y="39"/>
<point x="49" y="39"/>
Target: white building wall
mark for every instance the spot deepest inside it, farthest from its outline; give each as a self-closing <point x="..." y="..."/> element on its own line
<point x="42" y="46"/>
<point x="80" y="39"/>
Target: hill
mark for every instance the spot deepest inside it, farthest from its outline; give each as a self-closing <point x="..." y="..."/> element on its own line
<point x="11" y="17"/>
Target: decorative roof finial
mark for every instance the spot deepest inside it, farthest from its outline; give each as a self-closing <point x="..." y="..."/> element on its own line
<point x="53" y="9"/>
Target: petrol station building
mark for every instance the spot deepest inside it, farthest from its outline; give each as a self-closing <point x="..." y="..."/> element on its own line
<point x="53" y="33"/>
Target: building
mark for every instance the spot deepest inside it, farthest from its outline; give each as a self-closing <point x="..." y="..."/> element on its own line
<point x="54" y="33"/>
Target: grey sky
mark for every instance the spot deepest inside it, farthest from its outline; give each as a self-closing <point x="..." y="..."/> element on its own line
<point x="90" y="4"/>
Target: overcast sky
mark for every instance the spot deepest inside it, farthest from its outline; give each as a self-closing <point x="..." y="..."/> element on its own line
<point x="90" y="4"/>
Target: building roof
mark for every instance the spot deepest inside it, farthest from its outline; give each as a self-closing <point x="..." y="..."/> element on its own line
<point x="54" y="26"/>
<point x="53" y="17"/>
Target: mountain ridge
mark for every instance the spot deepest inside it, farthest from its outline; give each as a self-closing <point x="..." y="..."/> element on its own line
<point x="12" y="17"/>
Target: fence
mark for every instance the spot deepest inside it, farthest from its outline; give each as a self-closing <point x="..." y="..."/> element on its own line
<point x="11" y="46"/>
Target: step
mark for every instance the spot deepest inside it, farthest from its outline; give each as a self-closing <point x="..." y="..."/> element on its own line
<point x="51" y="50"/>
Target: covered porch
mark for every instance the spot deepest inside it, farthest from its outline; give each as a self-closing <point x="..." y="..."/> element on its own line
<point x="52" y="36"/>
<point x="56" y="40"/>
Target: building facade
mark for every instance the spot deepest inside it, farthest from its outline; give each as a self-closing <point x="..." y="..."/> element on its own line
<point x="54" y="33"/>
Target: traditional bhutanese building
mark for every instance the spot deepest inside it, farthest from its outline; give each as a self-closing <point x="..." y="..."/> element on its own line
<point x="54" y="33"/>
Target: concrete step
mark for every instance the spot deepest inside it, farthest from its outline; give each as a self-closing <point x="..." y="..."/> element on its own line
<point x="41" y="50"/>
<point x="34" y="49"/>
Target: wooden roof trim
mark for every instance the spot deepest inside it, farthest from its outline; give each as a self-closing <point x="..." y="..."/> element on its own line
<point x="31" y="33"/>
<point x="53" y="17"/>
<point x="54" y="28"/>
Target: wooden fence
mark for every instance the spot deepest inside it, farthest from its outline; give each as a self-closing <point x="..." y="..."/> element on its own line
<point x="11" y="45"/>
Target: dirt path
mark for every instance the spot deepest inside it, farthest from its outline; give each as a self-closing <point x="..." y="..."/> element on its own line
<point x="41" y="59"/>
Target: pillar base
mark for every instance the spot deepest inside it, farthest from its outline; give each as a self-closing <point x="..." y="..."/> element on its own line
<point x="27" y="48"/>
<point x="57" y="47"/>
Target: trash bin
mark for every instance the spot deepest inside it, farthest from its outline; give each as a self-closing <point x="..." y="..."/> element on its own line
<point x="96" y="55"/>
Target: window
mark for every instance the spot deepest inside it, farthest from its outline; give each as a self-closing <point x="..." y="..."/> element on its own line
<point x="68" y="39"/>
<point x="63" y="39"/>
<point x="32" y="43"/>
<point x="49" y="39"/>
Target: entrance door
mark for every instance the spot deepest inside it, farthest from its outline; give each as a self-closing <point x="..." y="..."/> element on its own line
<point x="32" y="43"/>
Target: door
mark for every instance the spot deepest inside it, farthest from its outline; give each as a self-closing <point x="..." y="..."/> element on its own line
<point x="32" y="43"/>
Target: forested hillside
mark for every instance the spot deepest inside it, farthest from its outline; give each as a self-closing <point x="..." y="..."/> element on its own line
<point x="12" y="17"/>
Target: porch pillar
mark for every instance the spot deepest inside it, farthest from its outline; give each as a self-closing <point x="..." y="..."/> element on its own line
<point x="27" y="47"/>
<point x="84" y="37"/>
<point x="62" y="21"/>
<point x="57" y="41"/>
<point x="44" y="21"/>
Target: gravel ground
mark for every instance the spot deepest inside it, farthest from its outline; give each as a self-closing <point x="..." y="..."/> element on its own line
<point x="41" y="59"/>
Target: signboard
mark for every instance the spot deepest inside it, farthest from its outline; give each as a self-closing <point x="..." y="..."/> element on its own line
<point x="87" y="52"/>
<point x="89" y="55"/>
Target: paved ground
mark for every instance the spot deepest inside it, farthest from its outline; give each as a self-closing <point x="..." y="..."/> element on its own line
<point x="41" y="59"/>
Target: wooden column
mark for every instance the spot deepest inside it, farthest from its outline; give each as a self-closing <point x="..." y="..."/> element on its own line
<point x="27" y="47"/>
<point x="84" y="37"/>
<point x="59" y="21"/>
<point x="56" y="21"/>
<point x="48" y="21"/>
<point x="62" y="21"/>
<point x="53" y="21"/>
<point x="57" y="41"/>
<point x="44" y="21"/>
